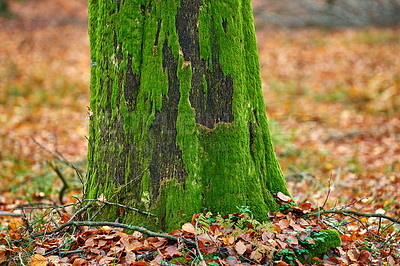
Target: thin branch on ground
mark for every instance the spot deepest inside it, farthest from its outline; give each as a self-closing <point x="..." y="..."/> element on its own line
<point x="329" y="190"/>
<point x="197" y="243"/>
<point x="350" y="212"/>
<point x="123" y="206"/>
<point x="11" y="214"/>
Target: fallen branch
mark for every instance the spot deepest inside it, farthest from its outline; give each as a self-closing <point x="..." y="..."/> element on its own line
<point x="350" y="212"/>
<point x="123" y="206"/>
<point x="10" y="214"/>
<point x="124" y="226"/>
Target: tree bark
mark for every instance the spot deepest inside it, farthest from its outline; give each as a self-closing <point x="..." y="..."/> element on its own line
<point x="179" y="122"/>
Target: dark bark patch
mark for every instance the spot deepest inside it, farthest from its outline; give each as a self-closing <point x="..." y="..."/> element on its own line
<point x="115" y="40"/>
<point x="251" y="141"/>
<point x="255" y="116"/>
<point x="149" y="8"/>
<point x="118" y="5"/>
<point x="158" y="32"/>
<point x="166" y="160"/>
<point x="224" y="21"/>
<point x="186" y="27"/>
<point x="142" y="10"/>
<point x="215" y="104"/>
<point x="132" y="84"/>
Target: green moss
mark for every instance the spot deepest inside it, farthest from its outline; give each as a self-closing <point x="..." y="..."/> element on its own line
<point x="324" y="241"/>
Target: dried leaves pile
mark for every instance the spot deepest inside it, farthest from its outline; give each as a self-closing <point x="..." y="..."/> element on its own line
<point x="235" y="239"/>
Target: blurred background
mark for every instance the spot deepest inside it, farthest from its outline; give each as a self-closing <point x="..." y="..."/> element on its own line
<point x="331" y="82"/>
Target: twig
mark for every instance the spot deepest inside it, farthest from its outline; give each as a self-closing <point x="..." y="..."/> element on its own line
<point x="329" y="190"/>
<point x="63" y="180"/>
<point x="123" y="206"/>
<point x="10" y="214"/>
<point x="62" y="226"/>
<point x="61" y="158"/>
<point x="197" y="243"/>
<point x="350" y="212"/>
<point x="20" y="259"/>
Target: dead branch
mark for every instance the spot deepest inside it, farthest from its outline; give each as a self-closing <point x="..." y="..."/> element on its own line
<point x="123" y="206"/>
<point x="350" y="212"/>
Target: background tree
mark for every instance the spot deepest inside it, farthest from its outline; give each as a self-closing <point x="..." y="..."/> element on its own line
<point x="179" y="122"/>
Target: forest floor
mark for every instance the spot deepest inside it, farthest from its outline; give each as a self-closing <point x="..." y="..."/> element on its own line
<point x="332" y="97"/>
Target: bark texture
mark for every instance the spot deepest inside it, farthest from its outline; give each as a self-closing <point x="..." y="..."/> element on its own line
<point x="179" y="120"/>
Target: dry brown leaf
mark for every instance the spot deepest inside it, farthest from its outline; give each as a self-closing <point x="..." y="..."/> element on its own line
<point x="292" y="240"/>
<point x="101" y="198"/>
<point x="79" y="261"/>
<point x="89" y="242"/>
<point x="256" y="255"/>
<point x="40" y="250"/>
<point x="130" y="257"/>
<point x="38" y="260"/>
<point x="188" y="227"/>
<point x="228" y="240"/>
<point x="283" y="224"/>
<point x="364" y="256"/>
<point x="240" y="247"/>
<point x="3" y="256"/>
<point x="283" y="197"/>
<point x="351" y="256"/>
<point x="172" y="252"/>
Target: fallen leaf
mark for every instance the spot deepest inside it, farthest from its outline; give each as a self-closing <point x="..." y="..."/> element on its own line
<point x="351" y="255"/>
<point x="240" y="247"/>
<point x="256" y="255"/>
<point x="172" y="252"/>
<point x="40" y="250"/>
<point x="89" y="242"/>
<point x="130" y="257"/>
<point x="283" y="197"/>
<point x="188" y="227"/>
<point x="79" y="261"/>
<point x="292" y="240"/>
<point x="106" y="229"/>
<point x="38" y="260"/>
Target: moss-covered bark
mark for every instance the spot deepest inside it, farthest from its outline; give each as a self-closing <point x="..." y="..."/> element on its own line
<point x="179" y="120"/>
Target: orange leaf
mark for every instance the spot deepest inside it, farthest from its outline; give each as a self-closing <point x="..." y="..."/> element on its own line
<point x="38" y="260"/>
<point x="3" y="256"/>
<point x="79" y="261"/>
<point x="282" y="263"/>
<point x="364" y="256"/>
<point x="202" y="247"/>
<point x="15" y="224"/>
<point x="240" y="247"/>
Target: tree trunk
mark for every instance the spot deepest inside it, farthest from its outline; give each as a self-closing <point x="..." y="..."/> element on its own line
<point x="179" y="122"/>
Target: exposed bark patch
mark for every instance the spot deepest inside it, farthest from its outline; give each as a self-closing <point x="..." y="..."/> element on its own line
<point x="224" y="21"/>
<point x="142" y="10"/>
<point x="255" y="116"/>
<point x="166" y="156"/>
<point x="118" y="5"/>
<point x="132" y="84"/>
<point x="214" y="105"/>
<point x="158" y="32"/>
<point x="251" y="135"/>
